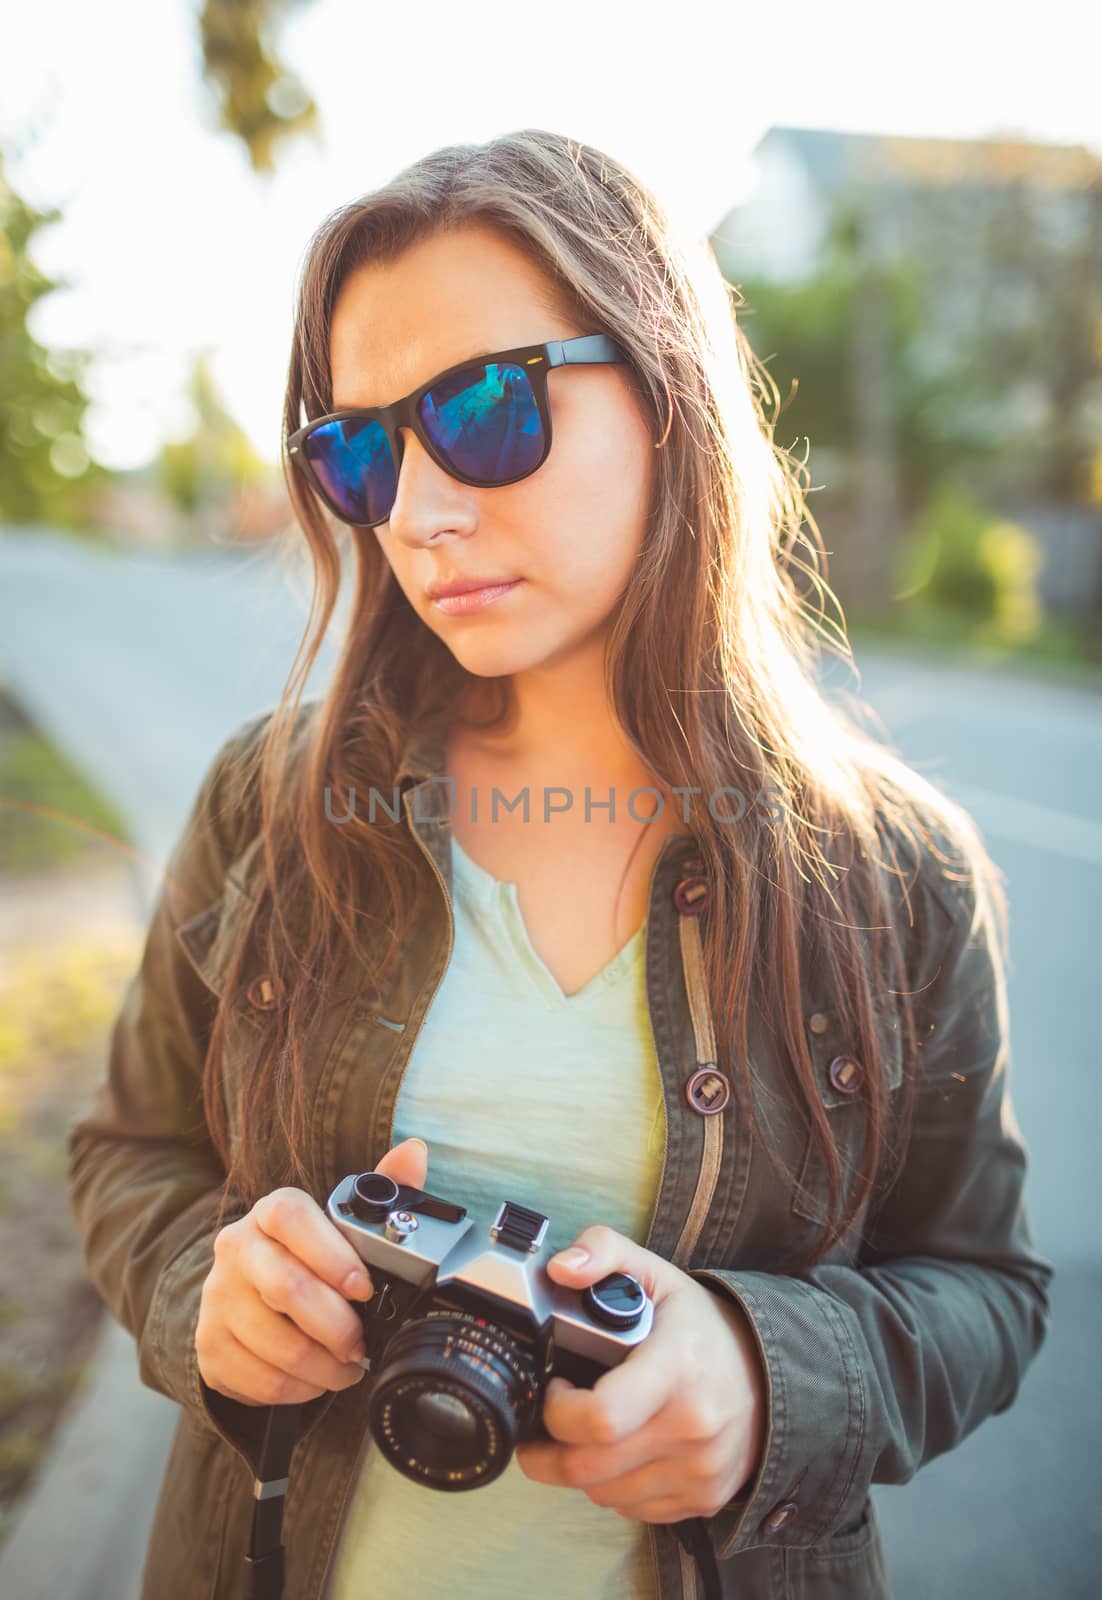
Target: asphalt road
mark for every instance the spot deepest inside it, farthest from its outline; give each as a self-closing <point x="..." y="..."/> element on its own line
<point x="1014" y="1511"/>
<point x="141" y="666"/>
<point x="138" y="666"/>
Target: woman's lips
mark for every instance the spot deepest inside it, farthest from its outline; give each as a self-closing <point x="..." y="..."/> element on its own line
<point x="457" y="605"/>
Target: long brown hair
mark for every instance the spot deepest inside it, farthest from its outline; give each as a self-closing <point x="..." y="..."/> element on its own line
<point x="716" y="689"/>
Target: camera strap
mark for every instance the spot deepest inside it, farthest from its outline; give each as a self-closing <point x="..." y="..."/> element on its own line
<point x="264" y="1558"/>
<point x="693" y="1535"/>
<point x="264" y="1567"/>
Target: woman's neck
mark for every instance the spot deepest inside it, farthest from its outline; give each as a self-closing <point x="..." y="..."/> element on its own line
<point x="557" y="716"/>
<point x="550" y="742"/>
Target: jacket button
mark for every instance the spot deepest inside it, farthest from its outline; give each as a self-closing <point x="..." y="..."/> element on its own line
<point x="261" y="993"/>
<point x="780" y="1515"/>
<point x="691" y="896"/>
<point x="847" y="1074"/>
<point x="708" y="1091"/>
<point x="818" y="1022"/>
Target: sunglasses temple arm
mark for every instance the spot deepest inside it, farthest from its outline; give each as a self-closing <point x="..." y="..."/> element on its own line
<point x="588" y="349"/>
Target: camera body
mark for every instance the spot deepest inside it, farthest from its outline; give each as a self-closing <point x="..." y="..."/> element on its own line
<point x="465" y="1328"/>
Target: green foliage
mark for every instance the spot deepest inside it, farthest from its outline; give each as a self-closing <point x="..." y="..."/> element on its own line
<point x="806" y="334"/>
<point x="257" y="96"/>
<point x="963" y="560"/>
<point x="46" y="474"/>
<point x="992" y="338"/>
<point x="57" y="1000"/>
<point x="801" y="333"/>
<point x="217" y="460"/>
<point x="47" y="808"/>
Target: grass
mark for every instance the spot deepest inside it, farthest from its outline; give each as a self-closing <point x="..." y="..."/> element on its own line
<point x="35" y="778"/>
<point x="1057" y="645"/>
<point x="57" y="1004"/>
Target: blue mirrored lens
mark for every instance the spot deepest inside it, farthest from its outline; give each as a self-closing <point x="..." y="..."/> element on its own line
<point x="485" y="421"/>
<point x="354" y="464"/>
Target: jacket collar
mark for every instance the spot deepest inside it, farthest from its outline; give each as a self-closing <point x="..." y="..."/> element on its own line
<point x="423" y="752"/>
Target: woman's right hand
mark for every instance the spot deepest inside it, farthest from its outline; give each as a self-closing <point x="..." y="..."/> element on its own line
<point x="275" y="1326"/>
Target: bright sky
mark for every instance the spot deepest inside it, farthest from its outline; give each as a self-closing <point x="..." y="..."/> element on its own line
<point x="170" y="243"/>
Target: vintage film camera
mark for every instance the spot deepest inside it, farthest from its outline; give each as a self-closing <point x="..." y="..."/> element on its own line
<point x="465" y="1328"/>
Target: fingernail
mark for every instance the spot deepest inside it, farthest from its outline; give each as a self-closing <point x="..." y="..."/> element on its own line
<point x="356" y="1283"/>
<point x="574" y="1257"/>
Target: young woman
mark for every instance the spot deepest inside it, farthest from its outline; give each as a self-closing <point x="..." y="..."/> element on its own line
<point x="723" y="999"/>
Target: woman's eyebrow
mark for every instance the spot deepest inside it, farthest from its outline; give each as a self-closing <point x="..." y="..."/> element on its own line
<point x="476" y="355"/>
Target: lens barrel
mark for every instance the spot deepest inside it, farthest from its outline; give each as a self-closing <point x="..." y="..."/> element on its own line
<point x="452" y="1399"/>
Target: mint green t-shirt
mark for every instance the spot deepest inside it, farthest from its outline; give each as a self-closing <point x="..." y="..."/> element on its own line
<point x="521" y="1093"/>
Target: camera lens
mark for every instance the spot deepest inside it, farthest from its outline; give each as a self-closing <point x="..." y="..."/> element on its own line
<point x="445" y="1424"/>
<point x="451" y="1400"/>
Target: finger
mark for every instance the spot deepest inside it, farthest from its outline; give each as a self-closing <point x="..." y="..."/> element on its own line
<point x="607" y="1251"/>
<point x="583" y="1466"/>
<point x="648" y="1483"/>
<point x="667" y="1510"/>
<point x="541" y="1460"/>
<point x="295" y="1220"/>
<point x="407" y="1163"/>
<point x="267" y="1385"/>
<point x="285" y="1285"/>
<point x="622" y="1401"/>
<point x="279" y="1343"/>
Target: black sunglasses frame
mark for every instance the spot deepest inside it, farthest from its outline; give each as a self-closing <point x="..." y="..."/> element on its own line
<point x="589" y="349"/>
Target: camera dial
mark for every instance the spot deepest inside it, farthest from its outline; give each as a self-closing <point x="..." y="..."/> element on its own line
<point x="617" y="1301"/>
<point x="373" y="1196"/>
<point x="400" y="1225"/>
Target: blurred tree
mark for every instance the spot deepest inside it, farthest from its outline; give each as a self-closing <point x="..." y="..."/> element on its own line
<point x="46" y="473"/>
<point x="964" y="559"/>
<point x="257" y="96"/>
<point x="1040" y="327"/>
<point x="807" y="333"/>
<point x="879" y="520"/>
<point x="203" y="473"/>
<point x="954" y="333"/>
<point x="841" y="347"/>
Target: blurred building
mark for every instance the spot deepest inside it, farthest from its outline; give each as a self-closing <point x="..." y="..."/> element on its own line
<point x="801" y="173"/>
<point x="134" y="510"/>
<point x="1009" y="237"/>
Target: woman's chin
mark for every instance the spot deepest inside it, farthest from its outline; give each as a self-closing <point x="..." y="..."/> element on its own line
<point x="493" y="663"/>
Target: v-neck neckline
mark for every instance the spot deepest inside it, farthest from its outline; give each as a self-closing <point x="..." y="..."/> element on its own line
<point x="501" y="894"/>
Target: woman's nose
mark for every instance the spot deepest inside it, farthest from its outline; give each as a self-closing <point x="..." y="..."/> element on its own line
<point x="427" y="498"/>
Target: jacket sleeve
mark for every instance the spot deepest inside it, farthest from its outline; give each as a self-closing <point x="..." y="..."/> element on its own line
<point x="144" y="1179"/>
<point x="877" y="1367"/>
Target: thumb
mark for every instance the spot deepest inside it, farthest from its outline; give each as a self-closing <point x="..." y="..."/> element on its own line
<point x="407" y="1163"/>
<point x="603" y="1251"/>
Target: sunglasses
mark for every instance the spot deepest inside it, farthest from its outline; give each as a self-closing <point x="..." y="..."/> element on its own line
<point x="486" y="422"/>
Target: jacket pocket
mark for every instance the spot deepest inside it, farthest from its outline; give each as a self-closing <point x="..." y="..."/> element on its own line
<point x="841" y="1077"/>
<point x="848" y="1567"/>
<point x="210" y="938"/>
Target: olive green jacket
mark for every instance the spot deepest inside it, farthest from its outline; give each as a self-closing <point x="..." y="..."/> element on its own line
<point x="888" y="1353"/>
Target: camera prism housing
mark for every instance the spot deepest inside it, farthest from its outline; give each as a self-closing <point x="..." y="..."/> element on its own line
<point x="466" y="1329"/>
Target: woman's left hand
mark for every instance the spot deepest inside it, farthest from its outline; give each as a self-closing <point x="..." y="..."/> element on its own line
<point x="677" y="1428"/>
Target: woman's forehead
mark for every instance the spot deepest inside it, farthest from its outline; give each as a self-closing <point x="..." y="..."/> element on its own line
<point x="453" y="297"/>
